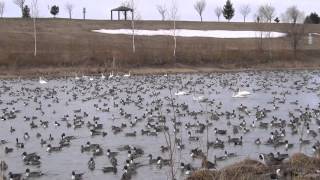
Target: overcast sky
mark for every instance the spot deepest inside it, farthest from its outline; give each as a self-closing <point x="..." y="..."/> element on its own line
<point x="100" y="9"/>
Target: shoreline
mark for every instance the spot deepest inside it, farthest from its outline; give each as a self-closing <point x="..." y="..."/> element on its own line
<point x="51" y="72"/>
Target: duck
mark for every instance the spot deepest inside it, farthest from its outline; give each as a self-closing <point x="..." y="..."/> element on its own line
<point x="186" y="168"/>
<point x="162" y="162"/>
<point x="15" y="176"/>
<point x="53" y="149"/>
<point x="111" y="154"/>
<point x="229" y="155"/>
<point x="30" y="157"/>
<point x="8" y="150"/>
<point x="3" y="166"/>
<point x="26" y="136"/>
<point x="33" y="174"/>
<point x="19" y="144"/>
<point x="75" y="176"/>
<point x="220" y="131"/>
<point x="270" y="160"/>
<point x="192" y="138"/>
<point x="257" y="141"/>
<point x="110" y="169"/>
<point x="207" y="164"/>
<point x="152" y="161"/>
<point x="91" y="164"/>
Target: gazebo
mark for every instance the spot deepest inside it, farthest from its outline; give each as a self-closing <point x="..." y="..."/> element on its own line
<point x="121" y="9"/>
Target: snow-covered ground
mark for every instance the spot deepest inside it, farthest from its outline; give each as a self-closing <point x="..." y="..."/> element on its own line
<point x="194" y="33"/>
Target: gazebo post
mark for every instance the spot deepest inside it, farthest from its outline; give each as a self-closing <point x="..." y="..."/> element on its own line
<point x="125" y="15"/>
<point x="111" y="15"/>
<point x="118" y="15"/>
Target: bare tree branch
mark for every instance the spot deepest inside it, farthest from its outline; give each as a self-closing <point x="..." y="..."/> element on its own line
<point x="2" y="5"/>
<point x="20" y="4"/>
<point x="293" y="15"/>
<point x="200" y="6"/>
<point x="69" y="8"/>
<point x="266" y="13"/>
<point x="163" y="11"/>
<point x="245" y="11"/>
<point x="218" y="12"/>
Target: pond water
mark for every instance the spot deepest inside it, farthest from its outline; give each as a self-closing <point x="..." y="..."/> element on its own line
<point x="197" y="98"/>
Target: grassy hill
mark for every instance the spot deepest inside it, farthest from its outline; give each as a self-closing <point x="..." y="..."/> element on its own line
<point x="64" y="43"/>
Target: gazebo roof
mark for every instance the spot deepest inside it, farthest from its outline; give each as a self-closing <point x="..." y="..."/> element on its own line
<point x="122" y="8"/>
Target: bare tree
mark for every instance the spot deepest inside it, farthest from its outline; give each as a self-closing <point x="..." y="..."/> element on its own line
<point x="218" y="12"/>
<point x="2" y="5"/>
<point x="200" y="6"/>
<point x="69" y="8"/>
<point x="266" y="13"/>
<point x="162" y="10"/>
<point x="296" y="34"/>
<point x="20" y="4"/>
<point x="174" y="14"/>
<point x="132" y="24"/>
<point x="35" y="13"/>
<point x="293" y="15"/>
<point x="245" y="11"/>
<point x="133" y="6"/>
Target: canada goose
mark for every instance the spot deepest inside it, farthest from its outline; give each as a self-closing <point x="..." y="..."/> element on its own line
<point x="75" y="176"/>
<point x="110" y="169"/>
<point x="152" y="161"/>
<point x="15" y="176"/>
<point x="207" y="164"/>
<point x="270" y="160"/>
<point x="33" y="174"/>
<point x="111" y="154"/>
<point x="91" y="164"/>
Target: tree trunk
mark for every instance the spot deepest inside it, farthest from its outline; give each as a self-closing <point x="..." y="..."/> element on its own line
<point x="35" y="36"/>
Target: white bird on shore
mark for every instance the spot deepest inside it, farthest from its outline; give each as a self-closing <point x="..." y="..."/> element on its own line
<point x="241" y="94"/>
<point x="41" y="81"/>
<point x="199" y="98"/>
<point x="127" y="75"/>
<point x="91" y="78"/>
<point x="111" y="75"/>
<point x="181" y="93"/>
<point x="76" y="77"/>
<point x="103" y="76"/>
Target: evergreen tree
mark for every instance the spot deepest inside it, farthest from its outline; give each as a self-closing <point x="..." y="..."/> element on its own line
<point x="228" y="10"/>
<point x="313" y="18"/>
<point x="26" y="12"/>
<point x="54" y="10"/>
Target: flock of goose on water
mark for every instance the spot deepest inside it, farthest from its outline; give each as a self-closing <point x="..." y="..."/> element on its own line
<point x="122" y="126"/>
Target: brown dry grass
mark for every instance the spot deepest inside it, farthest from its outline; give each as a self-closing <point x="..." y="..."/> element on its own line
<point x="298" y="167"/>
<point x="71" y="44"/>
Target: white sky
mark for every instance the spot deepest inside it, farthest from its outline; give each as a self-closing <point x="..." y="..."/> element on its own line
<point x="100" y="9"/>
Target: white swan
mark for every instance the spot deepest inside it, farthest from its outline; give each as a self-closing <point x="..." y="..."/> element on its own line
<point x="181" y="93"/>
<point x="199" y="98"/>
<point x="103" y="76"/>
<point x="111" y="75"/>
<point x="76" y="77"/>
<point x="41" y="81"/>
<point x="127" y="75"/>
<point x="241" y="94"/>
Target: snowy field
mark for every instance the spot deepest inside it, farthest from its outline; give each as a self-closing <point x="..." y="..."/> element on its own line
<point x="194" y="33"/>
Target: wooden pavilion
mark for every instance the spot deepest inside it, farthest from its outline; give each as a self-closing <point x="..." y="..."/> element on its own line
<point x="121" y="9"/>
